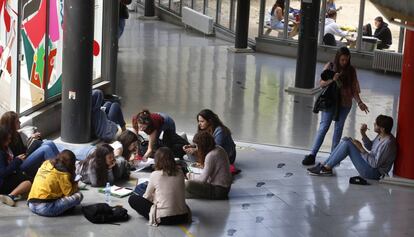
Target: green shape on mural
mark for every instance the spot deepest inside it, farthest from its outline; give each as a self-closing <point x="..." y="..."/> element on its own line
<point x="40" y="62"/>
<point x="28" y="53"/>
<point x="55" y="89"/>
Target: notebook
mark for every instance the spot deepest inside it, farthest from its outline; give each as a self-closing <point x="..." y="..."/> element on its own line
<point x="144" y="164"/>
<point x="117" y="191"/>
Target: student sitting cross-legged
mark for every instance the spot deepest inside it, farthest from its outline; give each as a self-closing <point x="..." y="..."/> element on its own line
<point x="54" y="190"/>
<point x="372" y="164"/>
<point x="164" y="200"/>
<point x="215" y="180"/>
<point x="13" y="182"/>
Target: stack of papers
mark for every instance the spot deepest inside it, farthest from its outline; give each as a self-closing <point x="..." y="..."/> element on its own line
<point x="144" y="164"/>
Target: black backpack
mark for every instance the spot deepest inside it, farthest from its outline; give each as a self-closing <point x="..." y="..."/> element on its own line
<point x="101" y="213"/>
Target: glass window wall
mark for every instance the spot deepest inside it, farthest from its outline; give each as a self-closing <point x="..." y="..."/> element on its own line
<point x="30" y="80"/>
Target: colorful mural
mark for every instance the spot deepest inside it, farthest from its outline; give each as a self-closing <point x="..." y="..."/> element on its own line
<point x="33" y="46"/>
<point x="8" y="53"/>
<point x="41" y="61"/>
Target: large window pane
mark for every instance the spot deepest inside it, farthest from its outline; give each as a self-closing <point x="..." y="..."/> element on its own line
<point x="347" y="18"/>
<point x="274" y="19"/>
<point x="164" y="3"/>
<point x="254" y="18"/>
<point x="8" y="55"/>
<point x="198" y="5"/>
<point x="187" y="3"/>
<point x="54" y="74"/>
<point x="371" y="12"/>
<point x="32" y="78"/>
<point x="211" y="9"/>
<point x="97" y="44"/>
<point x="224" y="17"/>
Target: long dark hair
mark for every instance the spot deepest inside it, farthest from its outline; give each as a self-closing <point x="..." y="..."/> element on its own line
<point x="143" y="117"/>
<point x="126" y="139"/>
<point x="65" y="162"/>
<point x="348" y="72"/>
<point x="8" y="120"/>
<point x="278" y="3"/>
<point x="205" y="143"/>
<point x="164" y="160"/>
<point x="4" y="136"/>
<point x="213" y="120"/>
<point x="97" y="160"/>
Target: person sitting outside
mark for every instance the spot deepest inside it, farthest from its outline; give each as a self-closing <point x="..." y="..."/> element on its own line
<point x="163" y="202"/>
<point x="54" y="189"/>
<point x="383" y="33"/>
<point x="215" y="180"/>
<point x="331" y="27"/>
<point x="13" y="182"/>
<point x="372" y="164"/>
<point x="277" y="17"/>
<point x="107" y="119"/>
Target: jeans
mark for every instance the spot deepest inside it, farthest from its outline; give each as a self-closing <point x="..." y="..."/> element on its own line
<point x="81" y="152"/>
<point x="326" y="120"/>
<point x="143" y="207"/>
<point x="46" y="151"/>
<point x="57" y="207"/>
<point x="168" y="124"/>
<point x="121" y="27"/>
<point x="114" y="112"/>
<point x="347" y="148"/>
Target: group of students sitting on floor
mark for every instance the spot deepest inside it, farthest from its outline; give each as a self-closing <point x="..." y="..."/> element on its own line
<point x="49" y="175"/>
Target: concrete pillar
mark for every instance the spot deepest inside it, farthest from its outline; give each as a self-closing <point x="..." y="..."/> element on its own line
<point x="242" y="24"/>
<point x="404" y="165"/>
<point x="308" y="44"/>
<point x="77" y="69"/>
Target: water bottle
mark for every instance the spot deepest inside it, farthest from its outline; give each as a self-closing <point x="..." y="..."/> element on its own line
<point x="108" y="193"/>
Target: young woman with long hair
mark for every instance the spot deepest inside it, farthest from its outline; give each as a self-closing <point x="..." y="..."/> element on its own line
<point x="215" y="180"/>
<point x="32" y="162"/>
<point x="346" y="78"/>
<point x="97" y="168"/>
<point x="153" y="124"/>
<point x="164" y="200"/>
<point x="54" y="189"/>
<point x="13" y="182"/>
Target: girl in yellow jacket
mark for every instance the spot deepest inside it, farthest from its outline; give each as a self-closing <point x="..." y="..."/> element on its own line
<point x="54" y="189"/>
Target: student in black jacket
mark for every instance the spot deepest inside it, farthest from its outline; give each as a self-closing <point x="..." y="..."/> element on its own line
<point x="383" y="33"/>
<point x="123" y="15"/>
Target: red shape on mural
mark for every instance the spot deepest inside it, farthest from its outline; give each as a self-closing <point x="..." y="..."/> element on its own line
<point x="51" y="62"/>
<point x="96" y="48"/>
<point x="34" y="77"/>
<point x="9" y="65"/>
<point x="7" y="19"/>
<point x="34" y="28"/>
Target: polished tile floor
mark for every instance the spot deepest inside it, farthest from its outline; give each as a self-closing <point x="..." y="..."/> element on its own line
<point x="165" y="68"/>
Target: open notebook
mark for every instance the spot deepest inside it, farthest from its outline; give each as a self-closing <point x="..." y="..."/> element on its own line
<point x="118" y="191"/>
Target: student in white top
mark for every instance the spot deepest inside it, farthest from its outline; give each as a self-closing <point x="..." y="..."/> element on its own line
<point x="164" y="200"/>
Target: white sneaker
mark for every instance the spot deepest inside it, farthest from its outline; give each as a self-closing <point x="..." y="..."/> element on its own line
<point x="6" y="199"/>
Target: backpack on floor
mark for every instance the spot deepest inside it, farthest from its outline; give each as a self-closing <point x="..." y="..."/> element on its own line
<point x="102" y="213"/>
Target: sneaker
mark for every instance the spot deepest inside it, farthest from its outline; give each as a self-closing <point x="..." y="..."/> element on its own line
<point x="8" y="200"/>
<point x="316" y="170"/>
<point x="324" y="171"/>
<point x="308" y="160"/>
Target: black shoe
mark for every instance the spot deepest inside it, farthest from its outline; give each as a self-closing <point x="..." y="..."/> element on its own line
<point x="308" y="160"/>
<point x="316" y="170"/>
<point x="326" y="172"/>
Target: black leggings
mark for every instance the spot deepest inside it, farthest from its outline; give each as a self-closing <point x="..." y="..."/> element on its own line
<point x="143" y="207"/>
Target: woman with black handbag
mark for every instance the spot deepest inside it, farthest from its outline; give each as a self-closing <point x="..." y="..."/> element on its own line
<point x="345" y="76"/>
